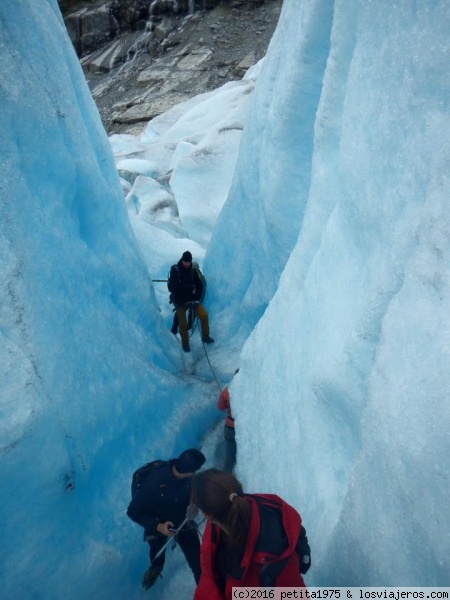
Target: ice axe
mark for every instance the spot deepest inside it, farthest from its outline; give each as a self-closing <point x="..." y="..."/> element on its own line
<point x="171" y="539"/>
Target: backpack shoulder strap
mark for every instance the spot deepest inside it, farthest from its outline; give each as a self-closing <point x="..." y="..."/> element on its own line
<point x="174" y="272"/>
<point x="196" y="269"/>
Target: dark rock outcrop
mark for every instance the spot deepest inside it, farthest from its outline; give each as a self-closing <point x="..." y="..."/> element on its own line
<point x="141" y="73"/>
<point x="92" y="25"/>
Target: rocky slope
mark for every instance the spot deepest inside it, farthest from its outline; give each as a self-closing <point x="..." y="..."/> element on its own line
<point x="177" y="54"/>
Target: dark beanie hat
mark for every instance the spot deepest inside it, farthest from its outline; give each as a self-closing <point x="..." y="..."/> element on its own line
<point x="187" y="256"/>
<point x="190" y="461"/>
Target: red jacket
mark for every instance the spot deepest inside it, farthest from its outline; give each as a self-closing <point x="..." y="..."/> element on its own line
<point x="223" y="403"/>
<point x="254" y="563"/>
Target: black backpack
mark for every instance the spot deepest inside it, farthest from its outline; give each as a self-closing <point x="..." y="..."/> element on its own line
<point x="272" y="541"/>
<point x="143" y="473"/>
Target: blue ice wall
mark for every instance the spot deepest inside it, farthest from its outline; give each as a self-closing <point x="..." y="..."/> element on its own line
<point x="80" y="332"/>
<point x="273" y="174"/>
<point x="341" y="402"/>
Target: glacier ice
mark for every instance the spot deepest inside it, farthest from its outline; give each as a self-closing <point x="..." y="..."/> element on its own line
<point x="329" y="258"/>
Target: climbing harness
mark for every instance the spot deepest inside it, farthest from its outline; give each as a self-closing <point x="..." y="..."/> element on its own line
<point x="192" y="318"/>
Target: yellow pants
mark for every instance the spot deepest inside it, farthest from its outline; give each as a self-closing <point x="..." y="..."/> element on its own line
<point x="201" y="314"/>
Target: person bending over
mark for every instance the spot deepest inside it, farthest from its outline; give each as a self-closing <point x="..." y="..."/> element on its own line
<point x="160" y="506"/>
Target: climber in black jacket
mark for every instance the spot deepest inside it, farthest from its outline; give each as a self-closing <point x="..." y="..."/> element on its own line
<point x="160" y="506"/>
<point x="186" y="290"/>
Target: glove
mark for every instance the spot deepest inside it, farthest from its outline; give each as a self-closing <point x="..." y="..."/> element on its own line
<point x="305" y="563"/>
<point x="303" y="552"/>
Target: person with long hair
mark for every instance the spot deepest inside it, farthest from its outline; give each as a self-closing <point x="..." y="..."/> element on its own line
<point x="250" y="540"/>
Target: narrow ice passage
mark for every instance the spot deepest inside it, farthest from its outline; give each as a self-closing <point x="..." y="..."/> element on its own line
<point x="329" y="286"/>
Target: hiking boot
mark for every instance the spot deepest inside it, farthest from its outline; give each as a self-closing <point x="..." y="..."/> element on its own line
<point x="150" y="577"/>
<point x="186" y="347"/>
<point x="207" y="339"/>
<point x="174" y="329"/>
